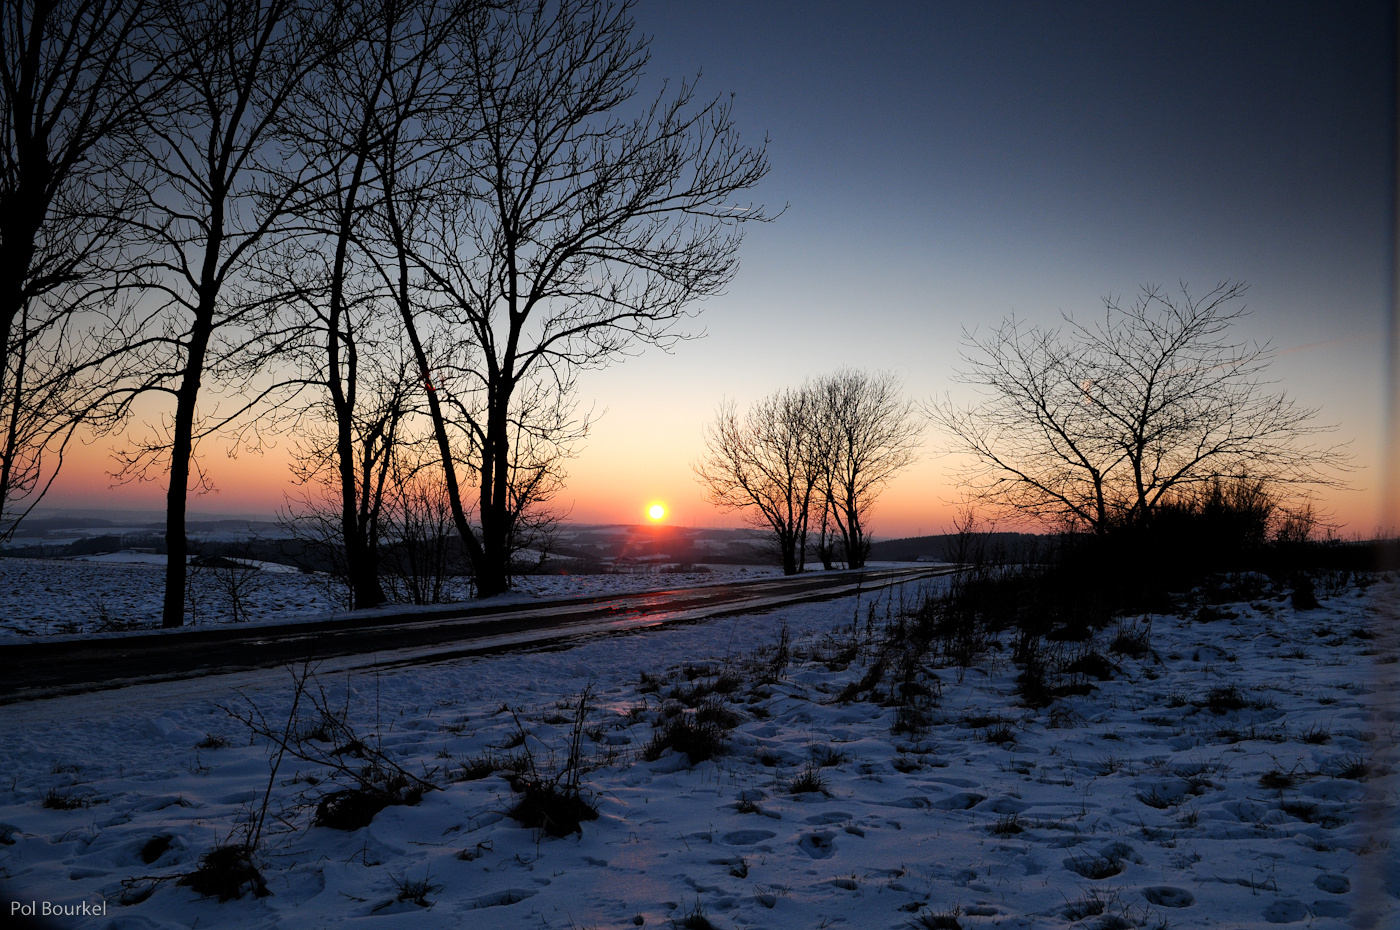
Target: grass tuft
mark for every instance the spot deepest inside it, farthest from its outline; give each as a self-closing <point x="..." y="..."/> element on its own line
<point x="1131" y="639"/>
<point x="1007" y="825"/>
<point x="1353" y="767"/>
<point x="695" y="919"/>
<point x="227" y="872"/>
<point x="415" y="890"/>
<point x="938" y="920"/>
<point x="57" y="800"/>
<point x="1000" y="734"/>
<point x="1095" y="867"/>
<point x="1091" y="905"/>
<point x="810" y="781"/>
<point x="686" y="734"/>
<point x="1223" y="700"/>
<point x="1317" y="735"/>
<point x="1277" y="780"/>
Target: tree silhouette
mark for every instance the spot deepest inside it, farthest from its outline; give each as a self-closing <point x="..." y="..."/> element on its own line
<point x="384" y="93"/>
<point x="73" y="85"/>
<point x="1101" y="424"/>
<point x="768" y="463"/>
<point x="220" y="190"/>
<point x="868" y="432"/>
<point x="563" y="233"/>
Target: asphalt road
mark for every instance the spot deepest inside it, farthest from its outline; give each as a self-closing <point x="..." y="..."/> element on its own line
<point x="48" y="669"/>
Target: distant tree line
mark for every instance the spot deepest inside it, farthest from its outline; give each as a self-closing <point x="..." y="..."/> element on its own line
<point x="393" y="229"/>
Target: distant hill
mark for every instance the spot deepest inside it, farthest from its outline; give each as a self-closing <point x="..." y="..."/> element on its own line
<point x="641" y="544"/>
<point x="943" y="548"/>
<point x="576" y="547"/>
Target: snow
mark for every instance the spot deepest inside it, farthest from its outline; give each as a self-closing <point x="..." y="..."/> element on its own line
<point x="121" y="592"/>
<point x="1272" y="813"/>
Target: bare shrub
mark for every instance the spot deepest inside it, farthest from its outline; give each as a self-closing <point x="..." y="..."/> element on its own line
<point x="685" y="734"/>
<point x="553" y="801"/>
<point x="371" y="779"/>
<point x="227" y="872"/>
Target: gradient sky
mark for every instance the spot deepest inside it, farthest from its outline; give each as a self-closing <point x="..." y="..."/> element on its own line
<point x="946" y="164"/>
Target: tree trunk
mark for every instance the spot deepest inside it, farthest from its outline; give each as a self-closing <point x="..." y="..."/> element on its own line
<point x="181" y="453"/>
<point x="361" y="566"/>
<point x="787" y="545"/>
<point x="853" y="538"/>
<point x="825" y="544"/>
<point x="18" y="232"/>
<point x="360" y="563"/>
<point x="11" y="302"/>
<point x="475" y="555"/>
<point x="858" y="550"/>
<point x="493" y="574"/>
<point x="177" y="546"/>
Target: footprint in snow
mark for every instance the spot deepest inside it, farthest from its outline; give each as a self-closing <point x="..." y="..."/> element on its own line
<point x="746" y="837"/>
<point x="1168" y="896"/>
<point x="1330" y="908"/>
<point x="1333" y="884"/>
<point x="1006" y="806"/>
<point x="1285" y="911"/>
<point x="963" y="877"/>
<point x="818" y="845"/>
<point x="960" y="801"/>
<point x="502" y="898"/>
<point x="917" y="802"/>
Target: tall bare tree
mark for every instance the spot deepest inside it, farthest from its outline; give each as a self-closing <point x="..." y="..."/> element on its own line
<point x="1099" y="424"/>
<point x="566" y="232"/>
<point x="768" y="464"/>
<point x="869" y="432"/>
<point x="72" y="85"/>
<point x="222" y="188"/>
<point x="386" y="90"/>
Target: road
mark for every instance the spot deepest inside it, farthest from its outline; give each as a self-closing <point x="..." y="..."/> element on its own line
<point x="49" y="669"/>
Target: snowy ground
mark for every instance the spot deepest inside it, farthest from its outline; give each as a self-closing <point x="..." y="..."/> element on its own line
<point x="121" y="592"/>
<point x="1240" y="774"/>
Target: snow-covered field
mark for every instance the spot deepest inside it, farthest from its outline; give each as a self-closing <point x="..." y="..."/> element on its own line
<point x="1239" y="774"/>
<point x="121" y="592"/>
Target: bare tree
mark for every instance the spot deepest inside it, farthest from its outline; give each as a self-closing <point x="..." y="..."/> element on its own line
<point x="868" y="432"/>
<point x="422" y="551"/>
<point x="1100" y="424"/>
<point x="72" y="83"/>
<point x="564" y="233"/>
<point x="349" y="455"/>
<point x="767" y="463"/>
<point x="382" y="91"/>
<point x="222" y="189"/>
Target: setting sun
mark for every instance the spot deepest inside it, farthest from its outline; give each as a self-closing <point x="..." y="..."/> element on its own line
<point x="656" y="511"/>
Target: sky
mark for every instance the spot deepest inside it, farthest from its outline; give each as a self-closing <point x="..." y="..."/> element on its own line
<point x="940" y="166"/>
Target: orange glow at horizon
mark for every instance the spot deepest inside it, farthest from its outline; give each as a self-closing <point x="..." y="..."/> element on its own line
<point x="603" y="486"/>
